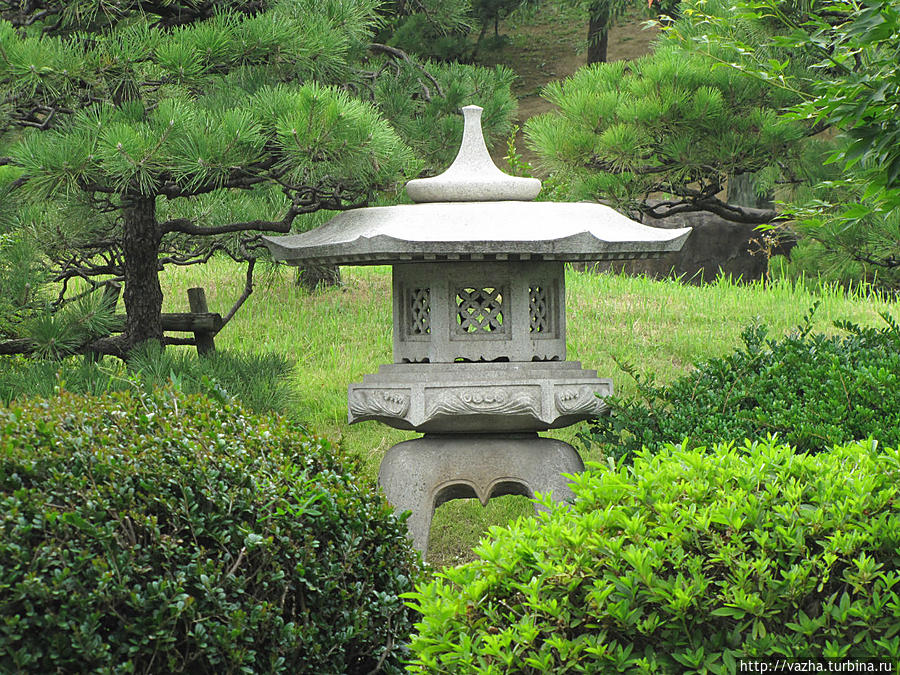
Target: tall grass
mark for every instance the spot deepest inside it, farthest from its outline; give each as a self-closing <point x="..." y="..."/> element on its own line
<point x="337" y="335"/>
<point x="258" y="380"/>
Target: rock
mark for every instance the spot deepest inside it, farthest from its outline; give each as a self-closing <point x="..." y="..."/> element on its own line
<point x="715" y="246"/>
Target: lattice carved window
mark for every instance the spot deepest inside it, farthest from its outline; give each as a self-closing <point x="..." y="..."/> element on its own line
<point x="538" y="308"/>
<point x="479" y="310"/>
<point x="418" y="312"/>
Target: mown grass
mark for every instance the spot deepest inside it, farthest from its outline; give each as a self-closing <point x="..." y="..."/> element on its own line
<point x="339" y="334"/>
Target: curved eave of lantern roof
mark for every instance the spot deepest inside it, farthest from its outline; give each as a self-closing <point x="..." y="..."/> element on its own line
<point x="496" y="230"/>
<point x="474" y="211"/>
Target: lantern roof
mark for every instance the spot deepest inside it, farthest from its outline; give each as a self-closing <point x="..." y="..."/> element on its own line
<point x="474" y="211"/>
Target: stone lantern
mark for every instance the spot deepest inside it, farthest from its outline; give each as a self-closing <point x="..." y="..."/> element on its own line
<point x="479" y="328"/>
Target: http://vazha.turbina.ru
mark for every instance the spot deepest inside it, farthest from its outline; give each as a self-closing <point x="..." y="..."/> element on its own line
<point x="479" y="327"/>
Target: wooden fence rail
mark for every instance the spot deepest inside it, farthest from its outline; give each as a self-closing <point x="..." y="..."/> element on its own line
<point x="199" y="321"/>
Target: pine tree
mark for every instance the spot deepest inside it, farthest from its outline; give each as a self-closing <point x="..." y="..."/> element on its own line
<point x="602" y="14"/>
<point x="663" y="134"/>
<point x="158" y="133"/>
<point x="433" y="29"/>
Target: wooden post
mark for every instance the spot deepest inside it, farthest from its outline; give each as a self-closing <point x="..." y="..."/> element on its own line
<point x="203" y="338"/>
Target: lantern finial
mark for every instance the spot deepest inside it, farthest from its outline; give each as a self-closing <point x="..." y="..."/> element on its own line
<point x="473" y="176"/>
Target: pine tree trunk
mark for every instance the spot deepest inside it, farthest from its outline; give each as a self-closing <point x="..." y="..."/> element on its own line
<point x="312" y="276"/>
<point x="142" y="294"/>
<point x="598" y="35"/>
<point x="742" y="192"/>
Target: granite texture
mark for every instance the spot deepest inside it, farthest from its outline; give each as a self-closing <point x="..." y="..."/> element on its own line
<point x="491" y="397"/>
<point x="473" y="176"/>
<point x="421" y="474"/>
<point x="502" y="230"/>
<point x="448" y="312"/>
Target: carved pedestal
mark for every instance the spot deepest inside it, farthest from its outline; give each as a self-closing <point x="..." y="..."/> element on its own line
<point x="479" y="367"/>
<point x="479" y="397"/>
<point x="421" y="474"/>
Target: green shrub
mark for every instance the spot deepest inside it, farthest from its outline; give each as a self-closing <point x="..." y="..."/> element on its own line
<point x="812" y="390"/>
<point x="157" y="532"/>
<point x="686" y="561"/>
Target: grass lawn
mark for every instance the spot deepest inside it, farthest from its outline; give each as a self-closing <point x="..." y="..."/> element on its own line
<point x="339" y="334"/>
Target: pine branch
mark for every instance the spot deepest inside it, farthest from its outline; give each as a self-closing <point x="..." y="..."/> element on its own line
<point x="187" y="226"/>
<point x="17" y="346"/>
<point x="730" y="212"/>
<point x="94" y="286"/>
<point x="86" y="274"/>
<point x="174" y="14"/>
<point x="889" y="261"/>
<point x="241" y="178"/>
<point x="171" y="14"/>
<point x="110" y="346"/>
<point x="612" y="167"/>
<point x="174" y="257"/>
<point x="23" y="14"/>
<point x="17" y="183"/>
<point x="41" y="117"/>
<point x="401" y="55"/>
<point x="37" y="16"/>
<point x="248" y="289"/>
<point x="609" y="166"/>
<point x="303" y="200"/>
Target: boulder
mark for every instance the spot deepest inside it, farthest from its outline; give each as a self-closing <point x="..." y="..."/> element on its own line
<point x="716" y="246"/>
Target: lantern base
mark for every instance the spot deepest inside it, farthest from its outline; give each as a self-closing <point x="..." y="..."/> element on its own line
<point x="421" y="474"/>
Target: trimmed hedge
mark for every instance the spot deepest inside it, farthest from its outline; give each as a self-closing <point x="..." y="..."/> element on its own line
<point x="686" y="561"/>
<point x="813" y="390"/>
<point x="166" y="533"/>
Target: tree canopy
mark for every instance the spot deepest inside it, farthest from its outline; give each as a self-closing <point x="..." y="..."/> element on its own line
<point x="802" y="98"/>
<point x="140" y="134"/>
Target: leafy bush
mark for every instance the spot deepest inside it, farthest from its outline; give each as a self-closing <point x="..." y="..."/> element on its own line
<point x="157" y="532"/>
<point x="811" y="389"/>
<point x="686" y="561"/>
<point x="260" y="382"/>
